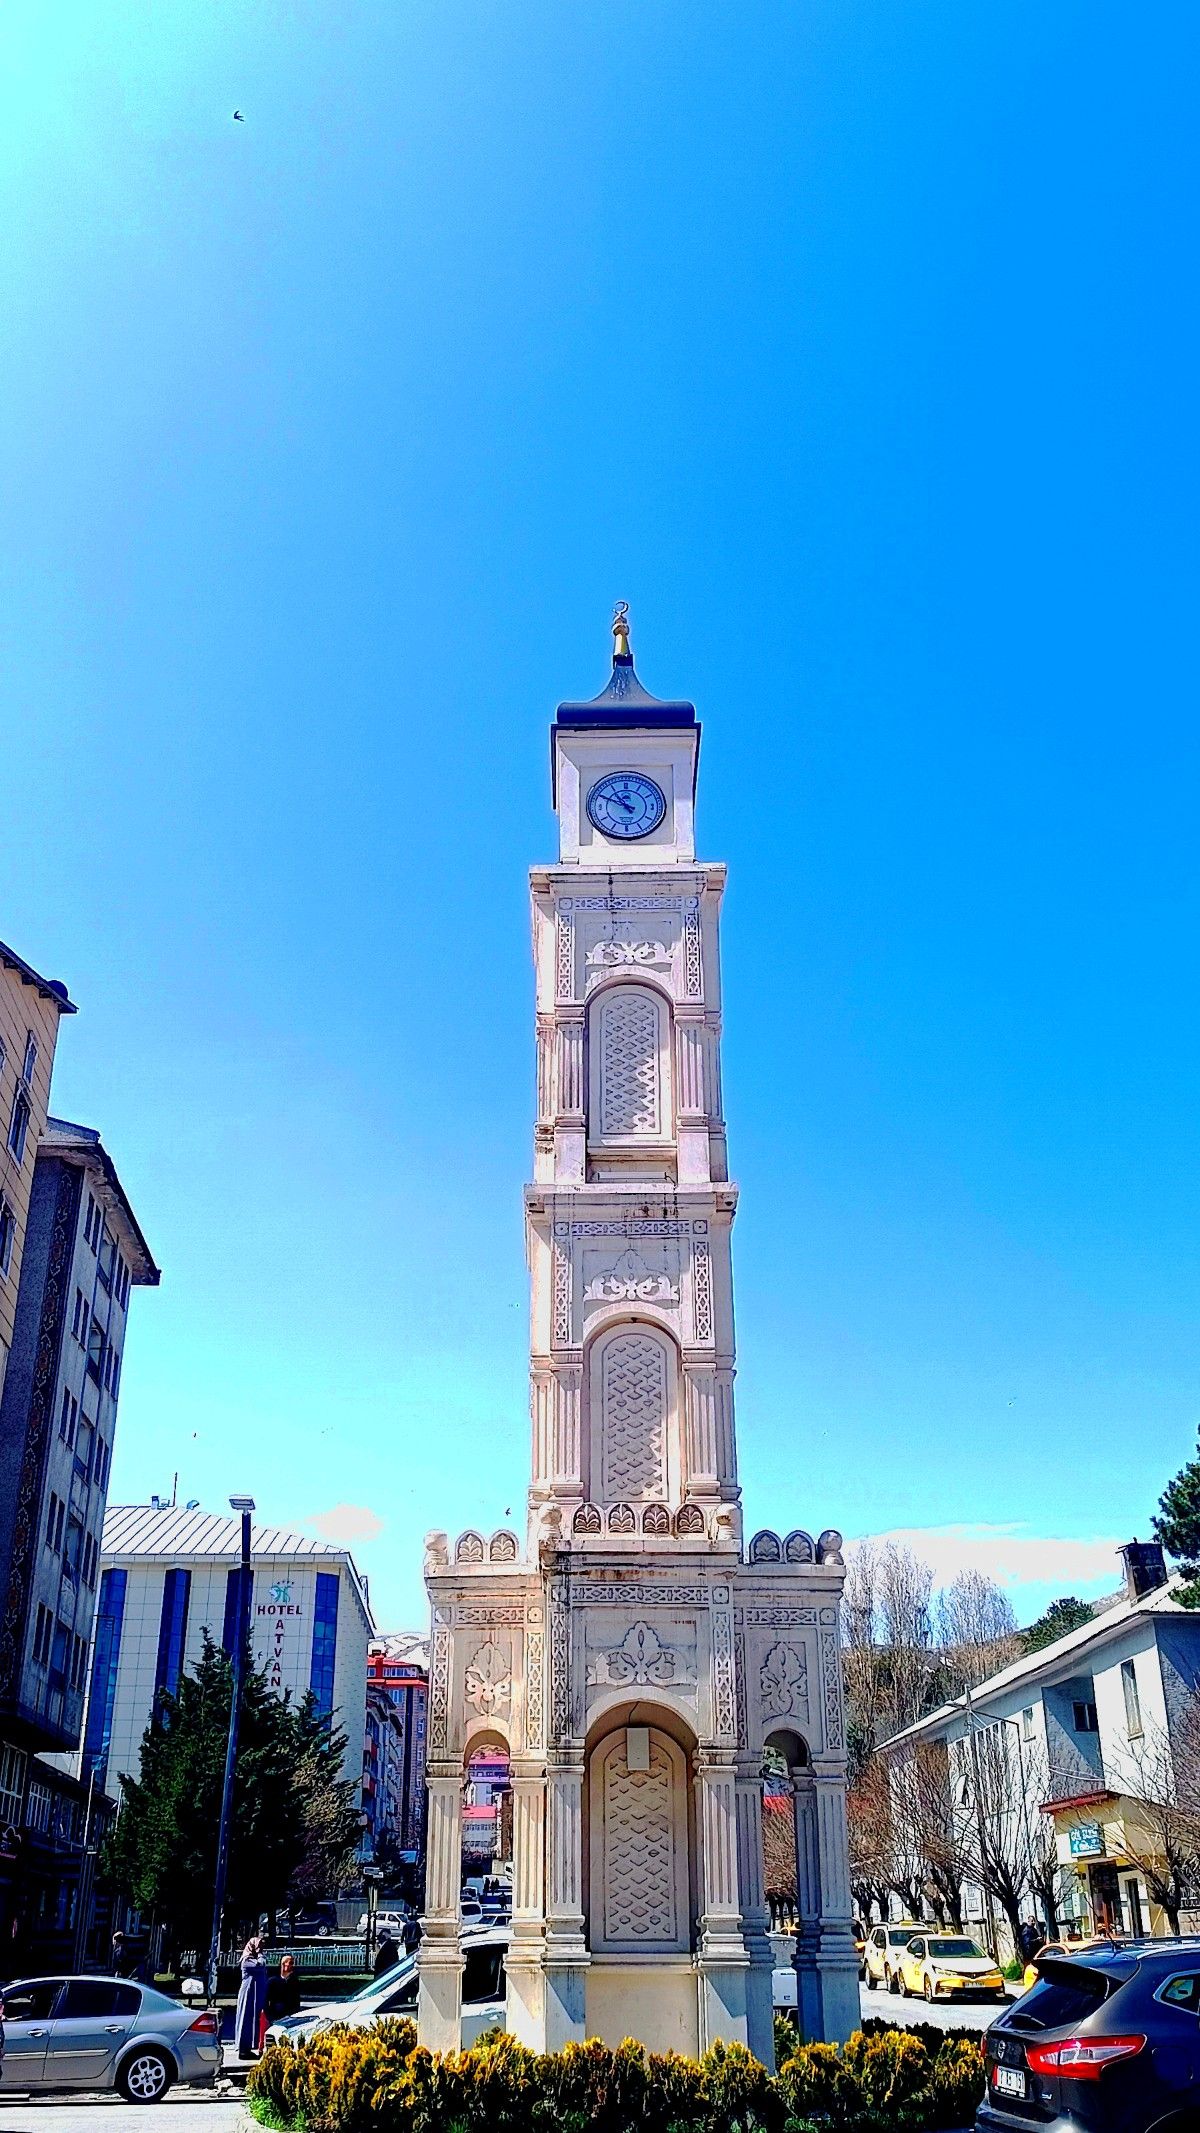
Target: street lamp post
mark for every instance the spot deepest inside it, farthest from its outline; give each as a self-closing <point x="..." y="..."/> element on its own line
<point x="244" y="1504"/>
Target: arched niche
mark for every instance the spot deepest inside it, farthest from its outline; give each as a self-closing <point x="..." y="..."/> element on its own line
<point x="486" y="1821"/>
<point x="785" y="1771"/>
<point x="639" y="1836"/>
<point x="628" y="1052"/>
<point x="632" y="1381"/>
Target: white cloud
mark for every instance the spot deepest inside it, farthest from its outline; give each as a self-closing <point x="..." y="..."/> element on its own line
<point x="346" y="1523"/>
<point x="1015" y="1555"/>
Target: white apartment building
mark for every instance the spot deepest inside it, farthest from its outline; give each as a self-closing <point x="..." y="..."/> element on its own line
<point x="1085" y="1745"/>
<point x="169" y="1574"/>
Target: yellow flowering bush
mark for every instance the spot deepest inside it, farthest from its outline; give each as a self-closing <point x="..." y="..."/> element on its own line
<point x="381" y="2081"/>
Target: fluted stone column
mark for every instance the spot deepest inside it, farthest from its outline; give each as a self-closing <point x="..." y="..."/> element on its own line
<point x="722" y="1963"/>
<point x="524" y="1965"/>
<point x="439" y="2001"/>
<point x="808" y="1909"/>
<point x="837" y="1963"/>
<point x="760" y="2030"/>
<point x="566" y="1957"/>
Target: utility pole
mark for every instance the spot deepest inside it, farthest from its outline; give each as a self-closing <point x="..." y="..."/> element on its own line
<point x="238" y="1656"/>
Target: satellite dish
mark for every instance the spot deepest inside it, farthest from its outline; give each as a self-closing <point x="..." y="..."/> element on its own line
<point x="192" y="1504"/>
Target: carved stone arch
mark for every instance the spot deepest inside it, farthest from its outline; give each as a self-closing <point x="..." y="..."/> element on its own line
<point x="689" y="1519"/>
<point x="765" y="1548"/>
<point x="657" y="1519"/>
<point x="632" y="1381"/>
<point x="502" y="1547"/>
<point x="638" y="1881"/>
<point x="586" y="1519"/>
<point x="799" y="1547"/>
<point x="621" y="1519"/>
<point x="627" y="1051"/>
<point x="468" y="1548"/>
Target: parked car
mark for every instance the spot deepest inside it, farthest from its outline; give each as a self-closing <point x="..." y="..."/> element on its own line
<point x="1071" y="1947"/>
<point x="105" y="2033"/>
<point x="470" y="1911"/>
<point x="1108" y="2040"/>
<point x="306" y="1921"/>
<point x="483" y="1995"/>
<point x="881" y="1956"/>
<point x="940" y="1966"/>
<point x="393" y="1922"/>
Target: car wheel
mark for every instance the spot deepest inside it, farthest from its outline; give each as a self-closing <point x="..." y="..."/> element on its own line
<point x="323" y="1930"/>
<point x="145" y="2077"/>
<point x="893" y="1984"/>
<point x="928" y="1989"/>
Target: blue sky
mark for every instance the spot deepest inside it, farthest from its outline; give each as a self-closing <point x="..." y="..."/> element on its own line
<point x="856" y="347"/>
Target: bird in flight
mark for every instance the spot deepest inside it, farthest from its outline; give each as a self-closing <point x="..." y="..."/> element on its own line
<point x="239" y="118"/>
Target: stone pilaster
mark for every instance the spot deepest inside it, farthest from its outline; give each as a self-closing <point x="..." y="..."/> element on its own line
<point x="760" y="2034"/>
<point x="837" y="1963"/>
<point x="566" y="1957"/>
<point x="524" y="1965"/>
<point x="808" y="1908"/>
<point x="722" y="1963"/>
<point x="439" y="2001"/>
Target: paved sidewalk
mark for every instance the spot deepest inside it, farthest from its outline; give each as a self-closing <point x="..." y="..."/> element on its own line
<point x="183" y="2111"/>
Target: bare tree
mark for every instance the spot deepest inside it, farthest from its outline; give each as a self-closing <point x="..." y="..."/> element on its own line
<point x="888" y="1657"/>
<point x="977" y="1629"/>
<point x="1158" y="1775"/>
<point x="869" y="1815"/>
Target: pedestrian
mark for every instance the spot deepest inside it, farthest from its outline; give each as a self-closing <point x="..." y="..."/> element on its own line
<point x="283" y="1991"/>
<point x="387" y="1955"/>
<point x="116" y="1955"/>
<point x="252" y="1999"/>
<point x="412" y="1933"/>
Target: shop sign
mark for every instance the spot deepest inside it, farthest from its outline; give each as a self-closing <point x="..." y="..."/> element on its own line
<point x="1086" y="1840"/>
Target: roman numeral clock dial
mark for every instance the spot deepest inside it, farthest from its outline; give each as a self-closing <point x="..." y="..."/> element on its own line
<point x="625" y="804"/>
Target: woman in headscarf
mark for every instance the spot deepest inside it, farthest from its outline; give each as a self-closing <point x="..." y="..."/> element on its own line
<point x="252" y="1998"/>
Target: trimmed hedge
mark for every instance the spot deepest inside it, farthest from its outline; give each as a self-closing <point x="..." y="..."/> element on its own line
<point x="380" y="2080"/>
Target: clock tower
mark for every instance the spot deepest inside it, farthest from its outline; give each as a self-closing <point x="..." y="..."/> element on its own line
<point x="635" y="1657"/>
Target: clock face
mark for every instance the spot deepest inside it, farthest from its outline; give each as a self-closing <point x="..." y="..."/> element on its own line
<point x="626" y="804"/>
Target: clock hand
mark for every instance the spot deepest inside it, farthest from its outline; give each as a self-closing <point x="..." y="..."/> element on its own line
<point x="626" y="804"/>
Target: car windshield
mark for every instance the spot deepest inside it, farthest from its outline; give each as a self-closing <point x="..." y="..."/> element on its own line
<point x="1065" y="1993"/>
<point x="961" y="1948"/>
<point x="899" y="1936"/>
<point x="386" y="1983"/>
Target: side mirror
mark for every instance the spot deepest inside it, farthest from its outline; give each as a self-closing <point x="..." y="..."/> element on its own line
<point x="193" y="1988"/>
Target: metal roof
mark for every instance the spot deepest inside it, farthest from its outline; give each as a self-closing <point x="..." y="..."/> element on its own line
<point x="624" y="702"/>
<point x="137" y="1529"/>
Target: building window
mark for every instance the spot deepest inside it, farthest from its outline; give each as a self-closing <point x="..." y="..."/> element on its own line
<point x="95" y="1350"/>
<point x="41" y="1636"/>
<point x="89" y="1224"/>
<point x="38" y="1808"/>
<point x="8" y="1233"/>
<point x="106" y="1654"/>
<point x="1027" y="1723"/>
<point x="12" y="1785"/>
<point x="30" y="1055"/>
<point x="89" y="1558"/>
<point x="1133" y="1705"/>
<point x="324" y="1644"/>
<point x="172" y="1631"/>
<point x="54" y="1523"/>
<point x="106" y="1256"/>
<point x="18" y="1125"/>
<point x="69" y="1418"/>
<point x="1084" y="1717"/>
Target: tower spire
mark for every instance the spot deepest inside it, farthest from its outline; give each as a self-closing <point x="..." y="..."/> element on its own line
<point x="620" y="630"/>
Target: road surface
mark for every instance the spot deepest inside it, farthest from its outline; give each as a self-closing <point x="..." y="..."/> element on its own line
<point x="944" y="2014"/>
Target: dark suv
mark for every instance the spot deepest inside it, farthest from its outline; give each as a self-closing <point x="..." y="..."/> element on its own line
<point x="1108" y="2042"/>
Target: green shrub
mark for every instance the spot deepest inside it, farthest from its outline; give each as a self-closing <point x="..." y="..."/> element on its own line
<point x="787" y="2037"/>
<point x="381" y="2081"/>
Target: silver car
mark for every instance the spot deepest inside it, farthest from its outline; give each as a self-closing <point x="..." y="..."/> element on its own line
<point x="105" y="2033"/>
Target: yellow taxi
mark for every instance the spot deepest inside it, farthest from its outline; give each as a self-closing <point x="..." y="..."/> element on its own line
<point x="879" y="1963"/>
<point x="942" y="1966"/>
<point x="1069" y="1947"/>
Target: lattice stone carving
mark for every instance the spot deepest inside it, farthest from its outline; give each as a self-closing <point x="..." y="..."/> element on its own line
<point x="629" y="1064"/>
<point x="639" y="1852"/>
<point x="633" y="1407"/>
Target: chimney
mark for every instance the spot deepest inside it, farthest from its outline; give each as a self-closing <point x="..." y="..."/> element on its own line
<point x="1145" y="1570"/>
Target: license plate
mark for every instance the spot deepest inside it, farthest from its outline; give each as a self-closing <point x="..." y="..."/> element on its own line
<point x="1008" y="2080"/>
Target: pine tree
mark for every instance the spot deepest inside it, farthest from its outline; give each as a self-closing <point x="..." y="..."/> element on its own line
<point x="1178" y="1527"/>
<point x="1061" y="1616"/>
<point x="294" y="1827"/>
